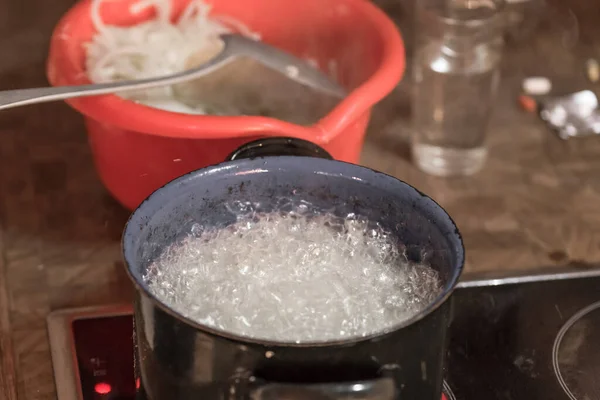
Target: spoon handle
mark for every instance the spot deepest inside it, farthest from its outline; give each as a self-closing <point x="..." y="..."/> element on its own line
<point x="23" y="97"/>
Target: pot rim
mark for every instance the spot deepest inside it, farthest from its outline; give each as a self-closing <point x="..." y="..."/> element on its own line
<point x="135" y="221"/>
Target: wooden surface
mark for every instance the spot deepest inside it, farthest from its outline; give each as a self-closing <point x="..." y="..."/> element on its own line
<point x="536" y="204"/>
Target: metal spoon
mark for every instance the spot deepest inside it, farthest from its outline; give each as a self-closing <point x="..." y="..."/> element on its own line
<point x="229" y="48"/>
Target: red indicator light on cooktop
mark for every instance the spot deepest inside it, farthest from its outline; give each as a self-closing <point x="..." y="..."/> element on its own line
<point x="102" y="388"/>
<point x="444" y="397"/>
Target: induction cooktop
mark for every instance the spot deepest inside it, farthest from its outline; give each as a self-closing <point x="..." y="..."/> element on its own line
<point x="515" y="338"/>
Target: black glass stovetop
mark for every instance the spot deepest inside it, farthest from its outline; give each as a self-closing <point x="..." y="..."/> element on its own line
<point x="508" y="341"/>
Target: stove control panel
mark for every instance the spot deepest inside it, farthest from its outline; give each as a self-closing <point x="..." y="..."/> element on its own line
<point x="104" y="352"/>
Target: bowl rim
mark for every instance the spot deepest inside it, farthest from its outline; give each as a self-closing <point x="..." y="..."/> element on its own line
<point x="62" y="69"/>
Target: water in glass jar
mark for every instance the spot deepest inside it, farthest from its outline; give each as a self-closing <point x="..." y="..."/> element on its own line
<point x="452" y="102"/>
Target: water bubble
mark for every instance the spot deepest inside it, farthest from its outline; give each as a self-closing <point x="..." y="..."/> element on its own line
<point x="196" y="229"/>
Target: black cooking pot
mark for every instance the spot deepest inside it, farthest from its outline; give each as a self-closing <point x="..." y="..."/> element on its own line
<point x="179" y="359"/>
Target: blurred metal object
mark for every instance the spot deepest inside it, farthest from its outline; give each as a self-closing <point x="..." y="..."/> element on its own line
<point x="574" y="115"/>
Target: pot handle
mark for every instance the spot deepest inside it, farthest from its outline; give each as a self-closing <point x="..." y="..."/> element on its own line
<point x="279" y="146"/>
<point x="375" y="389"/>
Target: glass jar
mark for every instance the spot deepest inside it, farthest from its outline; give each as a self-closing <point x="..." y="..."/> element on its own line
<point x="455" y="78"/>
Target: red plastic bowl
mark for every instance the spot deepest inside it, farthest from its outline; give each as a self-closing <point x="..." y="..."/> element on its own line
<point x="138" y="149"/>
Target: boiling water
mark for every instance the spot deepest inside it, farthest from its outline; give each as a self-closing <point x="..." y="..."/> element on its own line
<point x="293" y="277"/>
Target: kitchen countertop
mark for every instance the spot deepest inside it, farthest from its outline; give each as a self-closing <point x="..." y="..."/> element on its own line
<point x="536" y="205"/>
